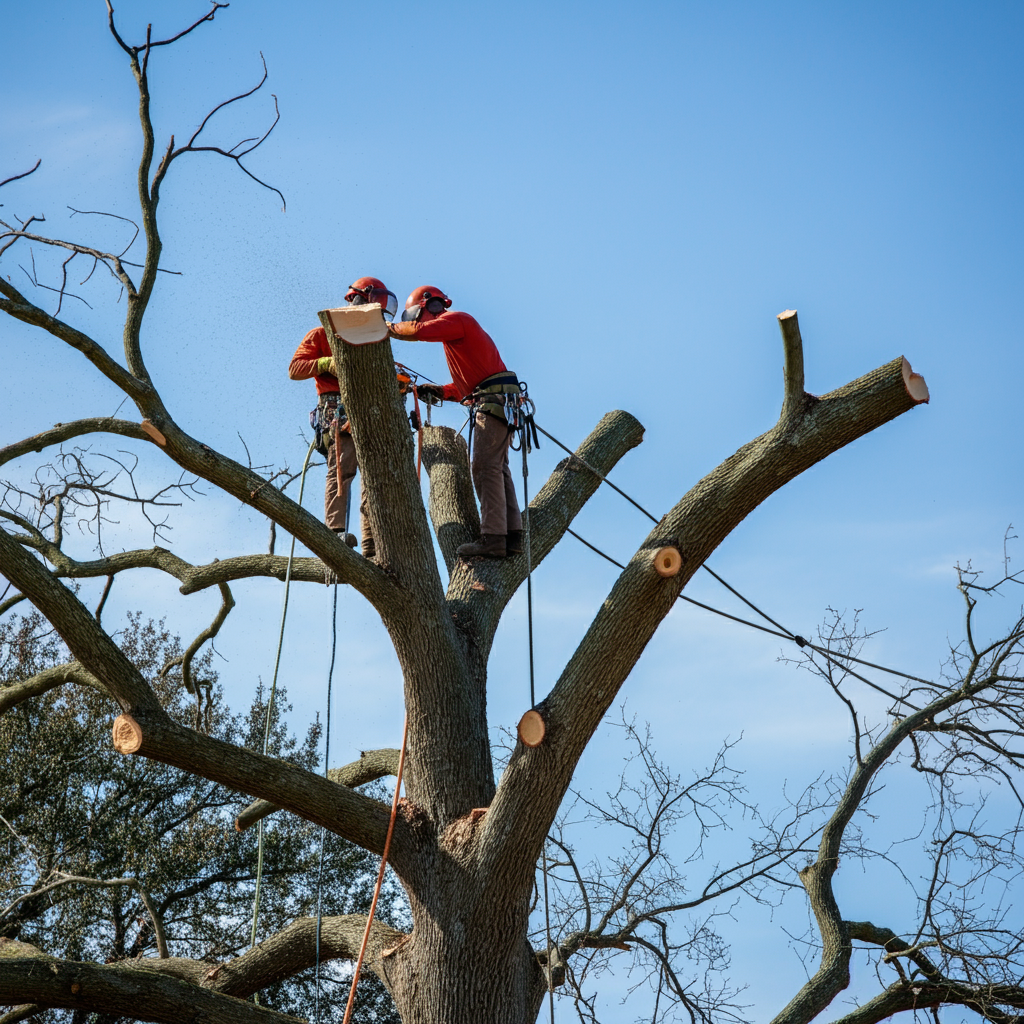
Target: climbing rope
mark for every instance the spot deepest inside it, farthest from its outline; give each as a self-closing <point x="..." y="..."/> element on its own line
<point x="270" y="706"/>
<point x="525" y="423"/>
<point x="327" y="756"/>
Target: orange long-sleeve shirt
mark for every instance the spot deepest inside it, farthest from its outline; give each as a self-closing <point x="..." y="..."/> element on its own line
<point x="303" y="365"/>
<point x="470" y="352"/>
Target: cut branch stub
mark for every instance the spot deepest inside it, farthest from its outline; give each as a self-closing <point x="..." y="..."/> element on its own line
<point x="532" y="729"/>
<point x="667" y="561"/>
<point x="127" y="734"/>
<point x="916" y="387"/>
<point x="154" y="433"/>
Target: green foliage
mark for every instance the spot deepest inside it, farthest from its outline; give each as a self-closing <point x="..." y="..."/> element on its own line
<point x="76" y="806"/>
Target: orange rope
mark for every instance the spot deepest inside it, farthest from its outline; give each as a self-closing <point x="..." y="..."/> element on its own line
<point x="380" y="875"/>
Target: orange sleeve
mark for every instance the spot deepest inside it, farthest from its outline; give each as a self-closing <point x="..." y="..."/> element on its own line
<point x="303" y="364"/>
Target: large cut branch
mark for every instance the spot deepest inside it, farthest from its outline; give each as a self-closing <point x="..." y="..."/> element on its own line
<point x="536" y="779"/>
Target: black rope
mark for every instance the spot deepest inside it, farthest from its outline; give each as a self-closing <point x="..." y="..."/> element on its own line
<point x="785" y="633"/>
<point x="327" y="754"/>
<point x="798" y="640"/>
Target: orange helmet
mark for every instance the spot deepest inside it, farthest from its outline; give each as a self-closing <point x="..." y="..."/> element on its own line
<point x="427" y="297"/>
<point x="371" y="289"/>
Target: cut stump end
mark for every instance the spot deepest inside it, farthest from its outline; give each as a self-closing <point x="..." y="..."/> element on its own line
<point x="127" y="734"/>
<point x="914" y="383"/>
<point x="532" y="729"/>
<point x="154" y="433"/>
<point x="786" y="314"/>
<point x="667" y="561"/>
<point x="358" y="325"/>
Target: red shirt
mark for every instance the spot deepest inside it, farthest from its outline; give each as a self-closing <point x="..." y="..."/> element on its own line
<point x="468" y="348"/>
<point x="303" y="364"/>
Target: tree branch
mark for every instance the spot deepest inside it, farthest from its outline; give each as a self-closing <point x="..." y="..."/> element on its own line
<point x="65" y="431"/>
<point x="536" y="779"/>
<point x="48" y="679"/>
<point x="372" y="765"/>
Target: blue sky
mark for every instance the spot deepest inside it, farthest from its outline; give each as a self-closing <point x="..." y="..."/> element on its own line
<point x="624" y="195"/>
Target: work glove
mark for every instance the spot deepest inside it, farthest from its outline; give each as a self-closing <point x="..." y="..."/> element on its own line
<point x="325" y="364"/>
<point x="431" y="393"/>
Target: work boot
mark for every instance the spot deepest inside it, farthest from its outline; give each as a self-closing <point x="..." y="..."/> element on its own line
<point x="369" y="548"/>
<point x="348" y="538"/>
<point x="490" y="545"/>
<point x="514" y="542"/>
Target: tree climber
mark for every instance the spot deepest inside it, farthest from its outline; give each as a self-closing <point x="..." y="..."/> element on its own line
<point x="313" y="359"/>
<point x="481" y="381"/>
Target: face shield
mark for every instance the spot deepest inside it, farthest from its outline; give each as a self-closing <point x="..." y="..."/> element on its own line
<point x="388" y="300"/>
<point x="412" y="313"/>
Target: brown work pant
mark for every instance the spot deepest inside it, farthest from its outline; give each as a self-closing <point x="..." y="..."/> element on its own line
<point x="499" y="510"/>
<point x="335" y="498"/>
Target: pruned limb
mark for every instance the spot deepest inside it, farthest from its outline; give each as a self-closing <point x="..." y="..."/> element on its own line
<point x="556" y="505"/>
<point x="453" y="510"/>
<point x="793" y="351"/>
<point x="535" y="780"/>
<point x="372" y="765"/>
<point x="72" y="672"/>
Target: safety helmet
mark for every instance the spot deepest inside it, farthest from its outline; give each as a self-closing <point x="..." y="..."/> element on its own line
<point x="371" y="289"/>
<point x="428" y="298"/>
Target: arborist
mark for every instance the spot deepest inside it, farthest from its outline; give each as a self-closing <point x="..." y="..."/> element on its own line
<point x="313" y="359"/>
<point x="481" y="381"/>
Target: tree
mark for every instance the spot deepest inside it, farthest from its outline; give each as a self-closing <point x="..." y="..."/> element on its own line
<point x="466" y="847"/>
<point x="109" y="859"/>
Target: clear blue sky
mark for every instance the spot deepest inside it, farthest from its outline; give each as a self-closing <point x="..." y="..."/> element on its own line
<point x="624" y="195"/>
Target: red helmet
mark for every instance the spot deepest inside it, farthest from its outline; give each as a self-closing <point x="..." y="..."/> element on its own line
<point x="427" y="297"/>
<point x="371" y="289"/>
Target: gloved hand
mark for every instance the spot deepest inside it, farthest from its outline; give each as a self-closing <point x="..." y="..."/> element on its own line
<point x="325" y="364"/>
<point x="431" y="393"/>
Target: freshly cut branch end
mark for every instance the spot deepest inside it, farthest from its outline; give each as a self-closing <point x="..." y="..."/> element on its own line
<point x="532" y="729"/>
<point x="358" y="325"/>
<point x="127" y="734"/>
<point x="916" y="387"/>
<point x="154" y="433"/>
<point x="667" y="561"/>
<point x="786" y="314"/>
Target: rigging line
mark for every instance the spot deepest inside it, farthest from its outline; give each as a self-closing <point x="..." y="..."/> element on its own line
<point x="327" y="755"/>
<point x="524" y="444"/>
<point x="605" y="480"/>
<point x="599" y="475"/>
<point x="836" y="659"/>
<point x="799" y="640"/>
<point x="270" y="708"/>
<point x="380" y="874"/>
